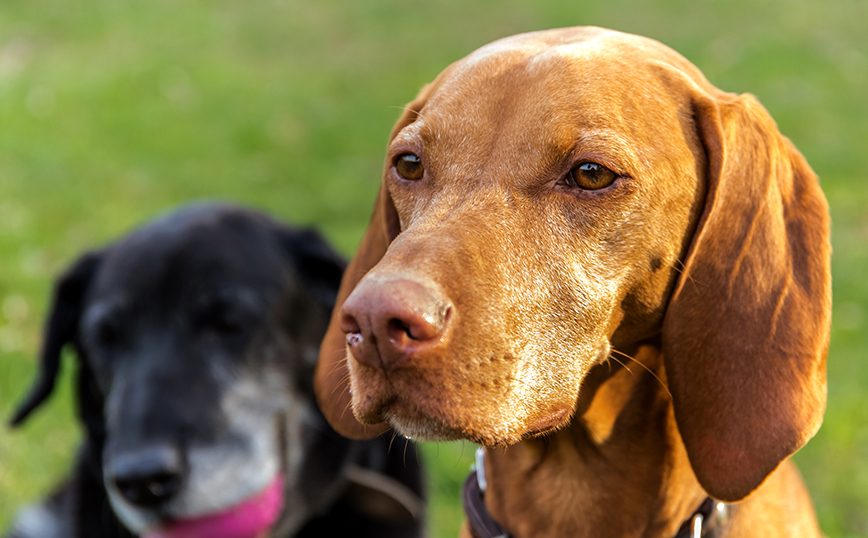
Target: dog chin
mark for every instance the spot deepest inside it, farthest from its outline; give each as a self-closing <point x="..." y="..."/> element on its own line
<point x="374" y="400"/>
<point x="422" y="429"/>
<point x="414" y="423"/>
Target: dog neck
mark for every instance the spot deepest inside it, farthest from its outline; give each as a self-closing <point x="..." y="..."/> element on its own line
<point x="619" y="469"/>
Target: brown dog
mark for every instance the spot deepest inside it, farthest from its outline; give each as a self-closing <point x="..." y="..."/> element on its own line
<point x="609" y="273"/>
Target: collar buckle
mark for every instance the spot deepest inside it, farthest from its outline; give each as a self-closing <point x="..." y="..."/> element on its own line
<point x="479" y="467"/>
<point x="696" y="526"/>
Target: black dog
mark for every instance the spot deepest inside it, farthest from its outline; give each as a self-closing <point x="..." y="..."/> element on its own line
<point x="197" y="337"/>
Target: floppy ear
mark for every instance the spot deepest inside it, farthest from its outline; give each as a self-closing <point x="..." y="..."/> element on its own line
<point x="747" y="329"/>
<point x="60" y="329"/>
<point x="331" y="380"/>
<point x="318" y="265"/>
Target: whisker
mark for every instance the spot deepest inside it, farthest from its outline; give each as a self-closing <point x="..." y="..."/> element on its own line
<point x="662" y="384"/>
<point x="685" y="274"/>
<point x="338" y="384"/>
<point x="407" y="109"/>
<point x="338" y="364"/>
<point x="621" y="363"/>
<point x="345" y="410"/>
<point x="392" y="440"/>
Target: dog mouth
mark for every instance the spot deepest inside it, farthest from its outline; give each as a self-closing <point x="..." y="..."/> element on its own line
<point x="251" y="518"/>
<point x="415" y="420"/>
<point x="428" y="405"/>
<point x="415" y="423"/>
<point x="410" y="422"/>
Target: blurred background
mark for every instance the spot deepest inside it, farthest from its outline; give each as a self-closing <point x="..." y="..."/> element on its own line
<point x="112" y="111"/>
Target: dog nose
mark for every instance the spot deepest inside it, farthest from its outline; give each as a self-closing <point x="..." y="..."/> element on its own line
<point x="148" y="476"/>
<point x="388" y="320"/>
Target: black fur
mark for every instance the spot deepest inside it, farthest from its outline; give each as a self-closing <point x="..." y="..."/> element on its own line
<point x="158" y="343"/>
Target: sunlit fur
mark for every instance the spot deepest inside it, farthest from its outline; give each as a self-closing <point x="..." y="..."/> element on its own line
<point x="667" y="334"/>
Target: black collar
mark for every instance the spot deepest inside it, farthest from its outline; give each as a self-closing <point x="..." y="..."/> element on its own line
<point x="482" y="525"/>
<point x="708" y="521"/>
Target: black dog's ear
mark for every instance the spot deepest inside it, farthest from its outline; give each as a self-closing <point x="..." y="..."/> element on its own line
<point x="60" y="329"/>
<point x="317" y="264"/>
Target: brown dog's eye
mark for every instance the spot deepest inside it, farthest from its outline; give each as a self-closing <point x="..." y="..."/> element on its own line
<point x="409" y="166"/>
<point x="590" y="176"/>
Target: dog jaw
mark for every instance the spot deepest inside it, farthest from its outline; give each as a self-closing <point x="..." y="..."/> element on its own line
<point x="426" y="405"/>
<point x="228" y="474"/>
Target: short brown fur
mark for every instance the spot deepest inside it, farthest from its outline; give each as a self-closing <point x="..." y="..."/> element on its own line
<point x="620" y="353"/>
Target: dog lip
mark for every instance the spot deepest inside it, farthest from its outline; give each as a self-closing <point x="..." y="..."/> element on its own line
<point x="250" y="518"/>
<point x="549" y="422"/>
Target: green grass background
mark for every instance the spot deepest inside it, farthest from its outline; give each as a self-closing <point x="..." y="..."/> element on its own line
<point x="113" y="110"/>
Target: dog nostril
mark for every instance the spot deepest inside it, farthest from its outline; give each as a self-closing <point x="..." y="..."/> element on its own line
<point x="419" y="326"/>
<point x="148" y="477"/>
<point x="398" y="329"/>
<point x="150" y="490"/>
<point x="348" y="324"/>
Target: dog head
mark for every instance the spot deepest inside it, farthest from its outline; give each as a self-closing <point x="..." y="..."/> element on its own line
<point x="557" y="194"/>
<point x="197" y="337"/>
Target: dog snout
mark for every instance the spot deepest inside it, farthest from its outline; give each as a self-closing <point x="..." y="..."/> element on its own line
<point x="387" y="321"/>
<point x="148" y="476"/>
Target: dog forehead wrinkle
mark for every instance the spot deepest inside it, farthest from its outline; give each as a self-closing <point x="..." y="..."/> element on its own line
<point x="477" y="150"/>
<point x="615" y="145"/>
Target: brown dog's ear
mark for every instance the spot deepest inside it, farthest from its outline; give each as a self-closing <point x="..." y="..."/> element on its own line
<point x="332" y="378"/>
<point x="747" y="329"/>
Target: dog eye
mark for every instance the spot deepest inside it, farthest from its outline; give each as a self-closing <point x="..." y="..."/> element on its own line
<point x="590" y="176"/>
<point x="223" y="319"/>
<point x="109" y="334"/>
<point x="227" y="323"/>
<point x="409" y="166"/>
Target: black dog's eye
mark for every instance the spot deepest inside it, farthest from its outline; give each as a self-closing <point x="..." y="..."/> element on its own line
<point x="221" y="318"/>
<point x="226" y="322"/>
<point x="409" y="166"/>
<point x="590" y="176"/>
<point x="224" y="315"/>
<point x="109" y="334"/>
